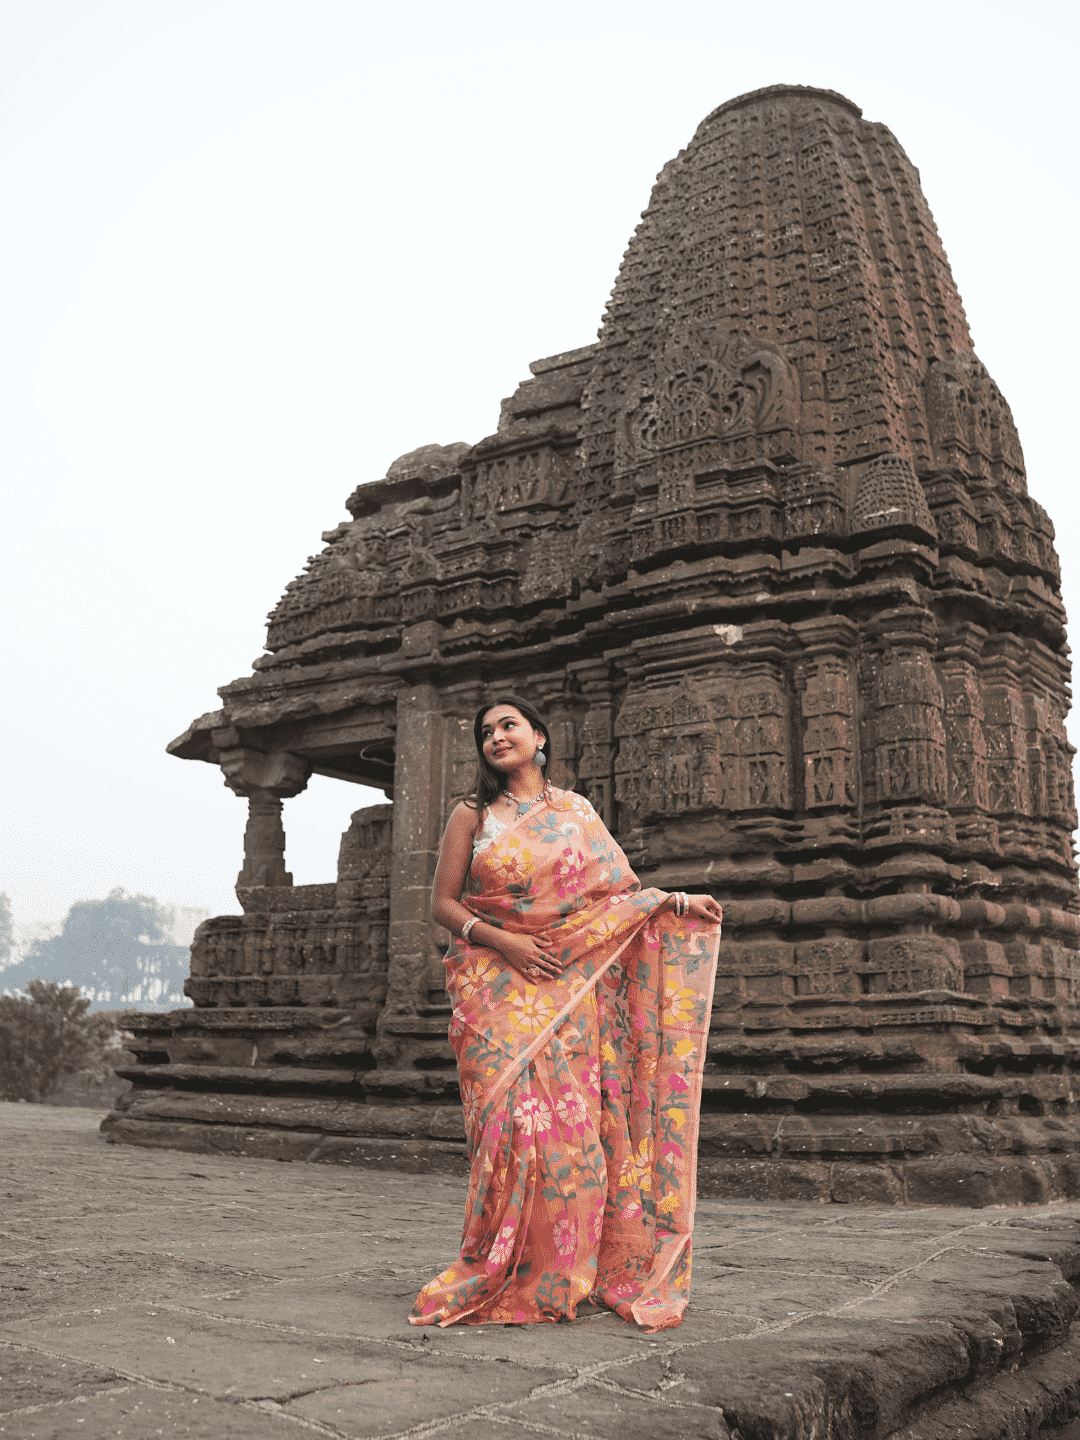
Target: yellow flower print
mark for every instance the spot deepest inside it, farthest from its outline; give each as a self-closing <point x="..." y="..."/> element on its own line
<point x="637" y="1168"/>
<point x="680" y="1005"/>
<point x="531" y="1011"/>
<point x="601" y="928"/>
<point x="668" y="1204"/>
<point x="684" y="1048"/>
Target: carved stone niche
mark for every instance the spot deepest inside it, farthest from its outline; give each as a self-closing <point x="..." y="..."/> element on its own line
<point x="705" y="388"/>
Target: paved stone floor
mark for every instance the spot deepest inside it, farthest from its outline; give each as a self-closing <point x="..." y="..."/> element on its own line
<point x="155" y="1292"/>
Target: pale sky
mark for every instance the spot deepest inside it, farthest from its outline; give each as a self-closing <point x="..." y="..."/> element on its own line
<point x="253" y="250"/>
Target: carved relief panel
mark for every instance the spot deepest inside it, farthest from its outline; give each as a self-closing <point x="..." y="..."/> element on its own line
<point x="705" y="385"/>
<point x="758" y="773"/>
<point x="668" y="761"/>
<point x="528" y="479"/>
<point x="908" y="754"/>
<point x="829" y="739"/>
<point x="965" y="738"/>
<point x="694" y="748"/>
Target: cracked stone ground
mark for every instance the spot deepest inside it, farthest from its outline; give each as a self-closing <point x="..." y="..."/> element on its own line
<point x="153" y="1292"/>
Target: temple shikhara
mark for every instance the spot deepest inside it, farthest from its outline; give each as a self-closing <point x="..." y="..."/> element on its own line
<point x="765" y="556"/>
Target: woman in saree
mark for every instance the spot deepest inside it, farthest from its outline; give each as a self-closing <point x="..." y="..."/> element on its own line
<point x="580" y="1013"/>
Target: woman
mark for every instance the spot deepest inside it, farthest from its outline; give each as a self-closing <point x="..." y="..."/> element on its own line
<point x="581" y="1010"/>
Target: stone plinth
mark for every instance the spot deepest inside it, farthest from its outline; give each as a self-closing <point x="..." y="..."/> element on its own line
<point x="765" y="556"/>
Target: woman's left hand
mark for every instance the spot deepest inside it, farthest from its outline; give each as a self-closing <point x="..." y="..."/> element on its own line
<point x="704" y="907"/>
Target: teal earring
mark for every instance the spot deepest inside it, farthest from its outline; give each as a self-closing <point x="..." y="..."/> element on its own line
<point x="540" y="759"/>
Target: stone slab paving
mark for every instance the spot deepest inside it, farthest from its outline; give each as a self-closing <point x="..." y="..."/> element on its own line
<point x="155" y="1292"/>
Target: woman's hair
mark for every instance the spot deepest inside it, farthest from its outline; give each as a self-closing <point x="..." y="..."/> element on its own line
<point x="489" y="783"/>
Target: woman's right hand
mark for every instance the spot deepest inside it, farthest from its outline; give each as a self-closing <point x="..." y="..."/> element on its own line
<point x="532" y="956"/>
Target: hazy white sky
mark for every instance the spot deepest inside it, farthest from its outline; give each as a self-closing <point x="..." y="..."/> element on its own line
<point x="253" y="250"/>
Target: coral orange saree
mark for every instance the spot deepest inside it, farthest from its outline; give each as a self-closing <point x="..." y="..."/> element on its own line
<point x="581" y="1093"/>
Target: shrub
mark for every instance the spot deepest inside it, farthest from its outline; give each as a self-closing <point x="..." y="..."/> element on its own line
<point x="46" y="1034"/>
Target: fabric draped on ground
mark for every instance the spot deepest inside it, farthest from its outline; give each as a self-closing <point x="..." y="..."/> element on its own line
<point x="582" y="1093"/>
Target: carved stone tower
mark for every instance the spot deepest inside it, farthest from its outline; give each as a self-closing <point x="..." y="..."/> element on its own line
<point x="765" y="556"/>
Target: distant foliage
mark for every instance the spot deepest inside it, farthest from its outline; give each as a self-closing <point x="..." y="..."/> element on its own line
<point x="46" y="1034"/>
<point x="116" y="952"/>
<point x="7" y="931"/>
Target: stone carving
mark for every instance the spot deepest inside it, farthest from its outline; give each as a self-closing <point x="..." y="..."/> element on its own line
<point x="889" y="497"/>
<point x="971" y="427"/>
<point x="765" y="556"/>
<point x="704" y="385"/>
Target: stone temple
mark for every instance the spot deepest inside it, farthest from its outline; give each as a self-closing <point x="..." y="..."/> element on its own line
<point x="765" y="556"/>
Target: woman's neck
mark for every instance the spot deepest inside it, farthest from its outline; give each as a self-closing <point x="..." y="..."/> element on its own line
<point x="524" y="786"/>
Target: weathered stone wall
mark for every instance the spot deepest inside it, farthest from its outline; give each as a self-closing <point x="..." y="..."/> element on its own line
<point x="765" y="557"/>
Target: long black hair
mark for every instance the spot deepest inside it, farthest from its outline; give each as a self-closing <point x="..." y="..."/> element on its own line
<point x="489" y="783"/>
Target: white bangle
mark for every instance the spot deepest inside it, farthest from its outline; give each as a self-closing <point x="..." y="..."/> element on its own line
<point x="466" y="929"/>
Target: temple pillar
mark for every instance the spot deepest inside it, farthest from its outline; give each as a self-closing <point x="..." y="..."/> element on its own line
<point x="265" y="780"/>
<point x="412" y="1024"/>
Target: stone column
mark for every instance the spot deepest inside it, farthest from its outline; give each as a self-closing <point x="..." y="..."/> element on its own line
<point x="418" y="792"/>
<point x="265" y="780"/>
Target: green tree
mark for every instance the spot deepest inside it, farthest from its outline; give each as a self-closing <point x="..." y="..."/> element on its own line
<point x="45" y="1034"/>
<point x="116" y="951"/>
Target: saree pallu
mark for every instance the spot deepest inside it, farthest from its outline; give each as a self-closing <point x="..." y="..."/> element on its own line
<point x="581" y="1093"/>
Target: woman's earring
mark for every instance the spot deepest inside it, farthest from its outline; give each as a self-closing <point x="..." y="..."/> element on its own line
<point x="540" y="758"/>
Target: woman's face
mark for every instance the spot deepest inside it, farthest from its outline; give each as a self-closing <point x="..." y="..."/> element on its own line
<point x="509" y="741"/>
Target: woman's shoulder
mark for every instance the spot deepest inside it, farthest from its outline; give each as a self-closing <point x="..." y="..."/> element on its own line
<point x="465" y="818"/>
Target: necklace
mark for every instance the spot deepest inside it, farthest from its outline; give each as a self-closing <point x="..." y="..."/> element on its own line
<point x="523" y="806"/>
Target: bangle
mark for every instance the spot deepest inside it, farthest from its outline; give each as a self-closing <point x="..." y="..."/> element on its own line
<point x="466" y="929"/>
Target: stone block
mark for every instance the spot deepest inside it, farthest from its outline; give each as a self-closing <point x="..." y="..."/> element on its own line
<point x="866" y="1184"/>
<point x="766" y="1179"/>
<point x="976" y="1181"/>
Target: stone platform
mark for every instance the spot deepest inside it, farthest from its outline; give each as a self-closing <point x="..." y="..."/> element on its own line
<point x="156" y="1292"/>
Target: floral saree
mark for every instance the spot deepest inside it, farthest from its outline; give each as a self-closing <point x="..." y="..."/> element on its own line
<point x="582" y="1092"/>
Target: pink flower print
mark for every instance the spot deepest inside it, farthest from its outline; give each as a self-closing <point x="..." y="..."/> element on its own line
<point x="572" y="1110"/>
<point x="499" y="1253"/>
<point x="565" y="1235"/>
<point x="591" y="1078"/>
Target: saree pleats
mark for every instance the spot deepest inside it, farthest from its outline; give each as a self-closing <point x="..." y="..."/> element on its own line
<point x="582" y="1093"/>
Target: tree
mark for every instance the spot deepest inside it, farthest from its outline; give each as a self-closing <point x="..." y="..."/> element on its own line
<point x="116" y="951"/>
<point x="7" y="931"/>
<point x="44" y="1035"/>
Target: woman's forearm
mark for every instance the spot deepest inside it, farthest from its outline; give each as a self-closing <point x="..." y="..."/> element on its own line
<point x="453" y="915"/>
